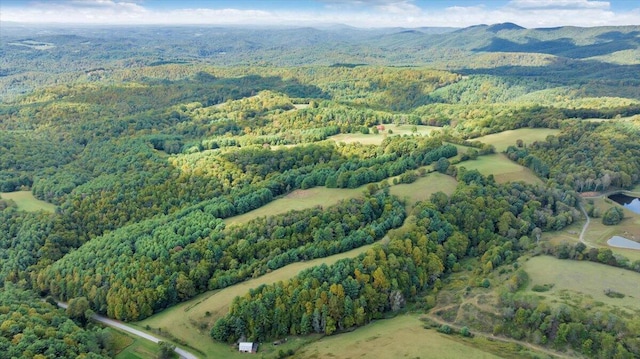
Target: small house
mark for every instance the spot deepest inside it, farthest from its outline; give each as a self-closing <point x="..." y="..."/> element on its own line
<point x="248" y="347"/>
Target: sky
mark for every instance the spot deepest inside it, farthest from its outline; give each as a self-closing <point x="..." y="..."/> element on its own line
<point x="358" y="13"/>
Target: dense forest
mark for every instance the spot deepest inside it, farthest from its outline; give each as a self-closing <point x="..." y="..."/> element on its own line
<point x="480" y="219"/>
<point x="146" y="156"/>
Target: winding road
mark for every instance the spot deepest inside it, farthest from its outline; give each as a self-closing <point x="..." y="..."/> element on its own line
<point x="119" y="325"/>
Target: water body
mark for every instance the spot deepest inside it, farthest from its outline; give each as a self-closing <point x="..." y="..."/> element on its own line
<point x="631" y="203"/>
<point x="621" y="242"/>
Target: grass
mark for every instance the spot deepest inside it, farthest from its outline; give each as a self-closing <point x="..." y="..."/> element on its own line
<point x="598" y="234"/>
<point x="424" y="187"/>
<point x="505" y="139"/>
<point x="376" y="139"/>
<point x="299" y="200"/>
<point x="399" y="337"/>
<point x="27" y="202"/>
<point x="191" y="321"/>
<point x="586" y="278"/>
<point x="503" y="169"/>
<point x="136" y="348"/>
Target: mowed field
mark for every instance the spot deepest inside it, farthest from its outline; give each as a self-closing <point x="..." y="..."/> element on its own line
<point x="299" y="200"/>
<point x="399" y="337"/>
<point x="27" y="202"/>
<point x="191" y="321"/>
<point x="588" y="279"/>
<point x="424" y="187"/>
<point x="133" y="348"/>
<point x="598" y="234"/>
<point x="503" y="169"/>
<point x="376" y="139"/>
<point x="505" y="139"/>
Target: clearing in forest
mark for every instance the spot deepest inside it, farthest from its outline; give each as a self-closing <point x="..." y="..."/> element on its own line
<point x="27" y="202"/>
<point x="503" y="169"/>
<point x="399" y="337"/>
<point x="424" y="187"/>
<point x="589" y="279"/>
<point x="299" y="200"/>
<point x="376" y="139"/>
<point x="504" y="139"/>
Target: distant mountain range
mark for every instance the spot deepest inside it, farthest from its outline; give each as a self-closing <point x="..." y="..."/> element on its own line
<point x="39" y="50"/>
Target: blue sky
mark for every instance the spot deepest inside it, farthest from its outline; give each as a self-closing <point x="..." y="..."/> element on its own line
<point x="360" y="13"/>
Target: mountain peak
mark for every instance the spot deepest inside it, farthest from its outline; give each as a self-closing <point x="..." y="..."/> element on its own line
<point x="504" y="26"/>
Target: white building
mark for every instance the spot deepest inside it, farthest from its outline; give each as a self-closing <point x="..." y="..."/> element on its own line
<point x="248" y="347"/>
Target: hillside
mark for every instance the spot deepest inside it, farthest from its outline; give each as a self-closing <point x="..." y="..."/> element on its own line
<point x="139" y="166"/>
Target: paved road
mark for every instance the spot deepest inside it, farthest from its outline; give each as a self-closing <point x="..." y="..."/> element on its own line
<point x="116" y="324"/>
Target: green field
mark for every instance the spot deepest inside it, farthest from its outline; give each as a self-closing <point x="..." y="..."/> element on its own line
<point x="424" y="187"/>
<point x="140" y="349"/>
<point x="588" y="279"/>
<point x="191" y="321"/>
<point x="598" y="234"/>
<point x="505" y="139"/>
<point x="399" y="337"/>
<point x="503" y="169"/>
<point x="26" y="201"/>
<point x="130" y="347"/>
<point x="376" y="139"/>
<point x="299" y="200"/>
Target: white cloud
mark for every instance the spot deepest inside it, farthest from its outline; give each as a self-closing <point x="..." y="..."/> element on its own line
<point x="399" y="7"/>
<point x="361" y="13"/>
<point x="559" y="4"/>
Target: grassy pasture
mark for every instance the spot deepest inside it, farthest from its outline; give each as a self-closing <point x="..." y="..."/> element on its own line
<point x="503" y="169"/>
<point x="27" y="202"/>
<point x="598" y="234"/>
<point x="299" y="200"/>
<point x="589" y="279"/>
<point x="399" y="337"/>
<point x="424" y="187"/>
<point x="130" y="348"/>
<point x="189" y="321"/>
<point x="376" y="139"/>
<point x="508" y="138"/>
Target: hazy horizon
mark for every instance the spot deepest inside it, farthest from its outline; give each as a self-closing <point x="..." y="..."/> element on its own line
<point x="355" y="13"/>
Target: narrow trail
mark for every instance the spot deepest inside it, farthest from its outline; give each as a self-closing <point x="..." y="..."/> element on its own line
<point x="584" y="228"/>
<point x="537" y="348"/>
<point x="119" y="325"/>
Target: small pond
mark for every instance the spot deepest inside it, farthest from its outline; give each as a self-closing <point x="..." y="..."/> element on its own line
<point x="631" y="203"/>
<point x="621" y="242"/>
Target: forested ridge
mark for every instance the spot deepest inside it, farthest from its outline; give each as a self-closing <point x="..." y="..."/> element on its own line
<point x="480" y="219"/>
<point x="144" y="157"/>
<point x="586" y="156"/>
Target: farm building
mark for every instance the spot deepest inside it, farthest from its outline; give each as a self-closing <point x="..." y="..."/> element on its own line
<point x="248" y="347"/>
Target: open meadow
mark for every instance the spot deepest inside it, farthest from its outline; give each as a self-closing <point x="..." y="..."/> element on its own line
<point x="504" y="139"/>
<point x="598" y="234"/>
<point x="128" y="347"/>
<point x="399" y="337"/>
<point x="584" y="281"/>
<point x="299" y="200"/>
<point x="424" y="187"/>
<point x="503" y="169"/>
<point x="376" y="139"/>
<point x="27" y="202"/>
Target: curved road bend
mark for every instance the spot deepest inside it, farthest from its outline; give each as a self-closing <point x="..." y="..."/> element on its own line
<point x="116" y="324"/>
